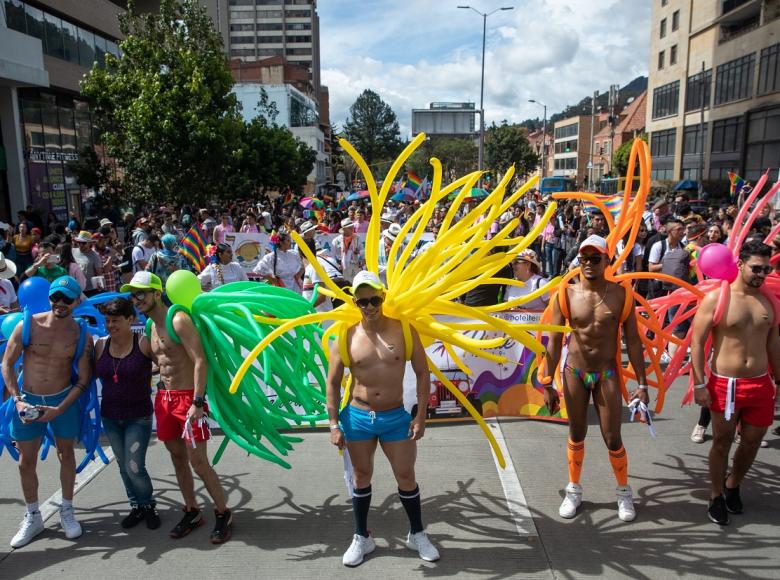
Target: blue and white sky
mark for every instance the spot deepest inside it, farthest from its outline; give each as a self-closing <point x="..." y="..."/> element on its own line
<point x="413" y="52"/>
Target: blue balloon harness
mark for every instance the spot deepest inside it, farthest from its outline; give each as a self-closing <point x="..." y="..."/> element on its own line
<point x="89" y="403"/>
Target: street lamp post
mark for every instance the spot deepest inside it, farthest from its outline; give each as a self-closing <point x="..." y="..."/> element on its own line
<point x="544" y="134"/>
<point x="484" y="16"/>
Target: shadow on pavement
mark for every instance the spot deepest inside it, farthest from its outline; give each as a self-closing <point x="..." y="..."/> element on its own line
<point x="671" y="531"/>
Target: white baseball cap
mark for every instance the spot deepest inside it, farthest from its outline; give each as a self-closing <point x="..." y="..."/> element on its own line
<point x="366" y="278"/>
<point x="595" y="242"/>
<point x="391" y="233"/>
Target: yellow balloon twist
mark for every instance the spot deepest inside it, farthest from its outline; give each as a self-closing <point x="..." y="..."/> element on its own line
<point x="424" y="284"/>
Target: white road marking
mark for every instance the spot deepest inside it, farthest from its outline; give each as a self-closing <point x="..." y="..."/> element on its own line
<point x="52" y="505"/>
<point x="513" y="491"/>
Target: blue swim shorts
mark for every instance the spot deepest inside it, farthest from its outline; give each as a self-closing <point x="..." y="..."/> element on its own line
<point x="361" y="425"/>
<point x="65" y="426"/>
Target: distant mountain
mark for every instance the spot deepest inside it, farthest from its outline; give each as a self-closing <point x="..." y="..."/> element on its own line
<point x="631" y="90"/>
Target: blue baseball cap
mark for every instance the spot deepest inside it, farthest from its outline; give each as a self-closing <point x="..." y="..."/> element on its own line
<point x="67" y="285"/>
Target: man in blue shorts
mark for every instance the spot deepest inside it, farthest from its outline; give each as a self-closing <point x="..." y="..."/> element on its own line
<point x="375" y="413"/>
<point x="48" y="390"/>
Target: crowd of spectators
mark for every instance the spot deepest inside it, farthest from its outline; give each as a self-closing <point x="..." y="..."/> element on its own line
<point x="106" y="249"/>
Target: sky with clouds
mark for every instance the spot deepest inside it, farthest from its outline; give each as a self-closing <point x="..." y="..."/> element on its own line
<point x="413" y="52"/>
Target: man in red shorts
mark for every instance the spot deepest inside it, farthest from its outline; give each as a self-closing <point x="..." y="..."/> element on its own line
<point x="740" y="390"/>
<point x="180" y="407"/>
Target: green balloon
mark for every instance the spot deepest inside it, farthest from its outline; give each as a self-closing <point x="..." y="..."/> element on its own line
<point x="182" y="288"/>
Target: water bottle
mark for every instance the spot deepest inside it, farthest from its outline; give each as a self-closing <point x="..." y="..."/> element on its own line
<point x="29" y="413"/>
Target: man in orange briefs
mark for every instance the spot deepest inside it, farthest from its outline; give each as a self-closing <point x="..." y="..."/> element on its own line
<point x="595" y="309"/>
<point x="745" y="344"/>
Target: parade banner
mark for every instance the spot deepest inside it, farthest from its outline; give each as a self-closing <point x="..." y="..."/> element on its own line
<point x="248" y="248"/>
<point x="508" y="390"/>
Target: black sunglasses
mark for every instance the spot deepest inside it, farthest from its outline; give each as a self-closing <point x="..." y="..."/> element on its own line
<point x="60" y="297"/>
<point x="140" y="295"/>
<point x="590" y="259"/>
<point x="374" y="301"/>
<point x="761" y="269"/>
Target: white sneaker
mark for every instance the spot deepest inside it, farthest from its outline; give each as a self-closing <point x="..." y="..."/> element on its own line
<point x="698" y="434"/>
<point x="625" y="501"/>
<point x="423" y="545"/>
<point x="31" y="526"/>
<point x="69" y="524"/>
<point x="571" y="502"/>
<point x="665" y="358"/>
<point x="358" y="549"/>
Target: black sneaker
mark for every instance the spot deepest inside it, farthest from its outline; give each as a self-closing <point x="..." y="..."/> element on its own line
<point x="192" y="519"/>
<point x="135" y="517"/>
<point x="733" y="500"/>
<point x="223" y="529"/>
<point x="718" y="512"/>
<point x="152" y="517"/>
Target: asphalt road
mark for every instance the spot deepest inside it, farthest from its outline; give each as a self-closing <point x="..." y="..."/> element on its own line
<point x="297" y="523"/>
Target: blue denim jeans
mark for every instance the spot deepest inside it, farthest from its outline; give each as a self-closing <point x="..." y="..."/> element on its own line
<point x="129" y="439"/>
<point x="551" y="258"/>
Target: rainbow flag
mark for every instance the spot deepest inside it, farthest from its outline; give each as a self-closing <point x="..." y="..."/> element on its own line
<point x="738" y="185"/>
<point x="612" y="203"/>
<point x="193" y="248"/>
<point x="413" y="181"/>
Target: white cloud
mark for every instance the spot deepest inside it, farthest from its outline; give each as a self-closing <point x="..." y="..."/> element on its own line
<point x="414" y="53"/>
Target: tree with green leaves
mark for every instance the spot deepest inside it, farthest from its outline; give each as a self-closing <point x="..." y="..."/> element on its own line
<point x="269" y="157"/>
<point x="621" y="155"/>
<point x="164" y="108"/>
<point x="458" y="156"/>
<point x="507" y="145"/>
<point x="372" y="128"/>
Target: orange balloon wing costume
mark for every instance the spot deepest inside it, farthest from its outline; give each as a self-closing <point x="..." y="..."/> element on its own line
<point x="651" y="332"/>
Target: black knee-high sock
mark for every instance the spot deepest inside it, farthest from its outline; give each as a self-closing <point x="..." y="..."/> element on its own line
<point x="411" y="503"/>
<point x="361" y="501"/>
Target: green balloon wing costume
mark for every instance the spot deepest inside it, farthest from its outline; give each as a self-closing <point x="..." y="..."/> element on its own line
<point x="288" y="387"/>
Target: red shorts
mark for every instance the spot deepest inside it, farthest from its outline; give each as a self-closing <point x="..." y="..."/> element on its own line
<point x="170" y="410"/>
<point x="753" y="398"/>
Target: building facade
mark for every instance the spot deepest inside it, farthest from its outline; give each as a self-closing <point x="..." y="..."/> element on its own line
<point x="571" y="148"/>
<point x="296" y="111"/>
<point x="542" y="144"/>
<point x="714" y="88"/>
<point x="628" y="124"/>
<point x="46" y="46"/>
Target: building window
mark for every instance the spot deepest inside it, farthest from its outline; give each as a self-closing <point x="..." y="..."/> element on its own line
<point x="242" y="27"/>
<point x="242" y="52"/>
<point x="663" y="28"/>
<point x="270" y="26"/>
<point x="269" y="13"/>
<point x="299" y="39"/>
<point x="14" y="15"/>
<point x="566" y="146"/>
<point x="660" y="60"/>
<point x="567" y="131"/>
<point x="86" y="48"/>
<point x="662" y="143"/>
<point x="53" y="45"/>
<point x="298" y="13"/>
<point x="664" y="3"/>
<point x="242" y="40"/>
<point x="242" y="3"/>
<point x="566" y="163"/>
<point x="727" y="135"/>
<point x="769" y="70"/>
<point x="673" y="55"/>
<point x="665" y="100"/>
<point x="698" y="90"/>
<point x="299" y="26"/>
<point x="269" y="2"/>
<point x="675" y="20"/>
<point x="270" y="39"/>
<point x="694" y="139"/>
<point x="763" y="142"/>
<point x="734" y="80"/>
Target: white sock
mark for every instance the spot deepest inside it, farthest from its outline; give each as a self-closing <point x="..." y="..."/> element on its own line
<point x="66" y="503"/>
<point x="32" y="507"/>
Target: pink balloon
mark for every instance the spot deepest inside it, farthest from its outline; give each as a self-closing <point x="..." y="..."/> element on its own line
<point x="717" y="261"/>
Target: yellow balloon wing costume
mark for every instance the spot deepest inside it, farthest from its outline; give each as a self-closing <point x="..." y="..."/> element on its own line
<point x="423" y="285"/>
